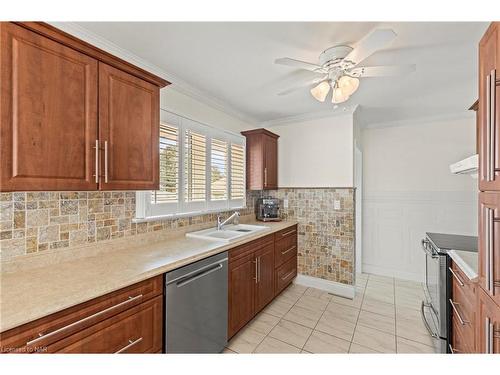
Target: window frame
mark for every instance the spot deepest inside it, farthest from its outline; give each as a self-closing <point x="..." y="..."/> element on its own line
<point x="146" y="210"/>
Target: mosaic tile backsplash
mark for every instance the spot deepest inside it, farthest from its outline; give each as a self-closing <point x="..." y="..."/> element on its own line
<point x="326" y="236"/>
<point x="37" y="221"/>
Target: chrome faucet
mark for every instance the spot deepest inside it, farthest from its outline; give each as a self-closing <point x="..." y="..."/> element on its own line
<point x="234" y="218"/>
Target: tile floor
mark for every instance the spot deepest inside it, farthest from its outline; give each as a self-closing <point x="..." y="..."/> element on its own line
<point x="384" y="317"/>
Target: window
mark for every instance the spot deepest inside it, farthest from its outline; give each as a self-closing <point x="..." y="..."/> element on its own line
<point x="202" y="169"/>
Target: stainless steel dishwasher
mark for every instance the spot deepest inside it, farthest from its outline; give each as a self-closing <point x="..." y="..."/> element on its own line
<point x="196" y="307"/>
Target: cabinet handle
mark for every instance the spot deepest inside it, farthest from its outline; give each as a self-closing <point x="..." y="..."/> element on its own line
<point x="453" y="351"/>
<point x="288" y="275"/>
<point x="106" y="161"/>
<point x="488" y="326"/>
<point x="42" y="336"/>
<point x="287" y="251"/>
<point x="460" y="282"/>
<point x="129" y="345"/>
<point x="489" y="218"/>
<point x="256" y="278"/>
<point x="492" y="123"/>
<point x="258" y="259"/>
<point x="453" y="305"/>
<point x="265" y="176"/>
<point x="96" y="147"/>
<point x="288" y="233"/>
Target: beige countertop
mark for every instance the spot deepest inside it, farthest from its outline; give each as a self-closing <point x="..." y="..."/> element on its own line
<point x="467" y="261"/>
<point x="29" y="293"/>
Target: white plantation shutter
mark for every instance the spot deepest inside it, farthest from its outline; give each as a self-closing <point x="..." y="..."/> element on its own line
<point x="169" y="166"/>
<point x="237" y="171"/>
<point x="218" y="180"/>
<point x="202" y="169"/>
<point x="195" y="166"/>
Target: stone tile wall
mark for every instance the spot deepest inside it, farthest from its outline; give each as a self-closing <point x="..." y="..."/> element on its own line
<point x="326" y="235"/>
<point x="37" y="221"/>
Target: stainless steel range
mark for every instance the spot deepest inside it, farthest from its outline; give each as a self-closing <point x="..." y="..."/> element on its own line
<point x="435" y="309"/>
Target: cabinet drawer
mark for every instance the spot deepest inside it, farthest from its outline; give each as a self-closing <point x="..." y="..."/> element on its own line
<point x="287" y="232"/>
<point x="463" y="291"/>
<point x="285" y="274"/>
<point x="47" y="330"/>
<point x="459" y="345"/>
<point x="242" y="251"/>
<point x="136" y="330"/>
<point x="463" y="321"/>
<point x="285" y="249"/>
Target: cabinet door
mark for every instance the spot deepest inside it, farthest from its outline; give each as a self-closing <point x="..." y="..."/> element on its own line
<point x="489" y="243"/>
<point x="270" y="162"/>
<point x="488" y="326"/>
<point x="264" y="291"/>
<point x="48" y="114"/>
<point x="242" y="280"/>
<point x="128" y="131"/>
<point x="489" y="110"/>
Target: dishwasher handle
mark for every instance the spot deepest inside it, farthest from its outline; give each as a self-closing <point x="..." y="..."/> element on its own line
<point x="198" y="274"/>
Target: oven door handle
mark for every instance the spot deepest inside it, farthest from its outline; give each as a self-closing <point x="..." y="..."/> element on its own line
<point x="427" y="251"/>
<point x="422" y="311"/>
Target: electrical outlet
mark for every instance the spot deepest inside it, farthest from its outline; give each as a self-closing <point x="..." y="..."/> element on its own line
<point x="336" y="204"/>
<point x="285" y="203"/>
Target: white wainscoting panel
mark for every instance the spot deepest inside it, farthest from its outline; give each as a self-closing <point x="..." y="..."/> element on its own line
<point x="394" y="223"/>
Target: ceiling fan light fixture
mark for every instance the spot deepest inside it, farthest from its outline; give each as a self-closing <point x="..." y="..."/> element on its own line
<point x="339" y="96"/>
<point x="348" y="84"/>
<point x="320" y="91"/>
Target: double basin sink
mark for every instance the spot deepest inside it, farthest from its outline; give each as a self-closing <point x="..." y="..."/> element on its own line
<point x="228" y="233"/>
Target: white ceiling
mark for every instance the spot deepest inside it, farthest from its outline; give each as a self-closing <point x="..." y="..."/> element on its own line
<point x="233" y="63"/>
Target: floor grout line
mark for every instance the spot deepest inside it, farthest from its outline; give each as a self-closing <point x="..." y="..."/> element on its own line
<point x="359" y="313"/>
<point x="281" y="318"/>
<point x="363" y="294"/>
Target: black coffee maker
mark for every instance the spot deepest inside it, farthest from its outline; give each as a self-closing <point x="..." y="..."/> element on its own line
<point x="268" y="209"/>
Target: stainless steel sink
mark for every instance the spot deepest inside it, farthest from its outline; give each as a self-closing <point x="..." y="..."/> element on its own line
<point x="228" y="233"/>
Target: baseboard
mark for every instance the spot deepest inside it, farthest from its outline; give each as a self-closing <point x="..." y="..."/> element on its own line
<point x="383" y="271"/>
<point x="333" y="287"/>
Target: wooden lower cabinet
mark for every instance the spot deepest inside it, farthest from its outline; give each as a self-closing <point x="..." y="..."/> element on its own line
<point x="241" y="290"/>
<point x="488" y="324"/>
<point x="253" y="275"/>
<point x="128" y="320"/>
<point x="264" y="287"/>
<point x="463" y="310"/>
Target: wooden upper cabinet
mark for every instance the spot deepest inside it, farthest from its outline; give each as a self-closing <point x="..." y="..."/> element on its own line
<point x="128" y="131"/>
<point x="489" y="110"/>
<point x="48" y="114"/>
<point x="74" y="117"/>
<point x="489" y="244"/>
<point x="262" y="159"/>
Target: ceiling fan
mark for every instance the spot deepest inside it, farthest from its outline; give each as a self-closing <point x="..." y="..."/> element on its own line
<point x="339" y="70"/>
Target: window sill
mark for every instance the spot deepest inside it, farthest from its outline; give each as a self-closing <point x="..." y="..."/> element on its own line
<point x="183" y="215"/>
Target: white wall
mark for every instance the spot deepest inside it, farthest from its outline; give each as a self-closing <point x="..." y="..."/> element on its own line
<point x="408" y="190"/>
<point x="316" y="152"/>
<point x="183" y="105"/>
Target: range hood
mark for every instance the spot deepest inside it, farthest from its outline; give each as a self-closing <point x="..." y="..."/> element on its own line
<point x="466" y="166"/>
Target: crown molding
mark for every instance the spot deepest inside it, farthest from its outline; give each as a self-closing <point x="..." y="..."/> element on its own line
<point x="177" y="83"/>
<point x="418" y="120"/>
<point x="348" y="110"/>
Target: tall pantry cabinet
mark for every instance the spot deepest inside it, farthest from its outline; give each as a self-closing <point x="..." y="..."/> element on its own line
<point x="488" y="297"/>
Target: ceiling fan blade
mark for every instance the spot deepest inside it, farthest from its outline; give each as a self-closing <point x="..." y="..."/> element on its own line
<point x="298" y="64"/>
<point x="369" y="44"/>
<point x="383" y="71"/>
<point x="303" y="84"/>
